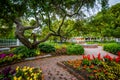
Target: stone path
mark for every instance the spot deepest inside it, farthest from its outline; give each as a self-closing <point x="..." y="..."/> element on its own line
<point x="96" y="51"/>
<point x="50" y="68"/>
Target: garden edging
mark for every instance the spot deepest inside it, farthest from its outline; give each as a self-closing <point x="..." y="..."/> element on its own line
<point x="27" y="59"/>
<point x="71" y="71"/>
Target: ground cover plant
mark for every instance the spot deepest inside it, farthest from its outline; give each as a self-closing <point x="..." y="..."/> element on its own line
<point x="25" y="73"/>
<point x="96" y="68"/>
<point x="25" y="52"/>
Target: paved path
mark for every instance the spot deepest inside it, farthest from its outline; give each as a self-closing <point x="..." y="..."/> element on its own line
<point x="95" y="51"/>
<point x="50" y="68"/>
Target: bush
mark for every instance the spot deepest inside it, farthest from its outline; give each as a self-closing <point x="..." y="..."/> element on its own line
<point x="75" y="49"/>
<point x="112" y="48"/>
<point x="47" y="48"/>
<point x="25" y="51"/>
<point x="61" y="51"/>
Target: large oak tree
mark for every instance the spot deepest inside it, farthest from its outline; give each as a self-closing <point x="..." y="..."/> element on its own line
<point x="44" y="12"/>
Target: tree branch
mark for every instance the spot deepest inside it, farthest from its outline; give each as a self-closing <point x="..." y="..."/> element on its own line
<point x="58" y="31"/>
<point x="76" y="12"/>
<point x="43" y="40"/>
<point x="49" y="24"/>
<point x="30" y="27"/>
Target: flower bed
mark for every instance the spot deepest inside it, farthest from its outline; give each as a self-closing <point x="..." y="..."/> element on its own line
<point x="25" y="73"/>
<point x="95" y="68"/>
<point x="9" y="58"/>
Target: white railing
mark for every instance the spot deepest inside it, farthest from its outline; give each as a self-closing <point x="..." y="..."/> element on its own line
<point x="117" y="39"/>
<point x="9" y="42"/>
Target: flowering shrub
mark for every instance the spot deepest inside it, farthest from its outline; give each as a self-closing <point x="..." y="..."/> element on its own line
<point x="25" y="73"/>
<point x="8" y="58"/>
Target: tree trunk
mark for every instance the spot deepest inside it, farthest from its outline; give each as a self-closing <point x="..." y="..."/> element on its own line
<point x="19" y="33"/>
<point x="20" y="29"/>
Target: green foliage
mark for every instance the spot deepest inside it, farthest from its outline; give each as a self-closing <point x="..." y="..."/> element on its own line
<point x="113" y="71"/>
<point x="61" y="51"/>
<point x="112" y="48"/>
<point x="96" y="61"/>
<point x="9" y="60"/>
<point x="86" y="62"/>
<point x="75" y="49"/>
<point x="47" y="48"/>
<point x="25" y="51"/>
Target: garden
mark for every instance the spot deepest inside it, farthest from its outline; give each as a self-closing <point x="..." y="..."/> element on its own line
<point x="59" y="40"/>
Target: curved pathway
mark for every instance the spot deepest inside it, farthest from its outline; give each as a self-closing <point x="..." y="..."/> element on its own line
<point x="50" y="68"/>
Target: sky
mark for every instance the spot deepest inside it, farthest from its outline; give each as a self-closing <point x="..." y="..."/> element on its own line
<point x="113" y="2"/>
<point x="96" y="10"/>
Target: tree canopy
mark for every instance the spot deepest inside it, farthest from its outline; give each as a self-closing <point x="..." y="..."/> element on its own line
<point x="44" y="13"/>
<point x="105" y="23"/>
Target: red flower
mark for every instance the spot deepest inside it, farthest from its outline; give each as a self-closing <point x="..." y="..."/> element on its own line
<point x="84" y="57"/>
<point x="108" y="57"/>
<point x="119" y="53"/>
<point x="93" y="56"/>
<point x="117" y="59"/>
<point x="99" y="57"/>
<point x="88" y="57"/>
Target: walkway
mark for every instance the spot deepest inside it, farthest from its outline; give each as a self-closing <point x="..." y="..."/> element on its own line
<point x="50" y="68"/>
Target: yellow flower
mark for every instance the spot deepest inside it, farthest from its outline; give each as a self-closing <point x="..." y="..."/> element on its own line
<point x="31" y="79"/>
<point x="24" y="69"/>
<point x="25" y="73"/>
<point x="17" y="68"/>
<point x="40" y="71"/>
<point x="32" y="74"/>
<point x="28" y="78"/>
<point x="30" y="69"/>
<point x="14" y="78"/>
<point x="20" y="78"/>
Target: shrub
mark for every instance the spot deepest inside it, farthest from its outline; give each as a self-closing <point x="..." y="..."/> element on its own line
<point x="47" y="48"/>
<point x="25" y="51"/>
<point x="75" y="49"/>
<point x="112" y="48"/>
<point x="61" y="51"/>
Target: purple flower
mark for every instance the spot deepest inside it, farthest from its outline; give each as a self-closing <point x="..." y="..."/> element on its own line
<point x="6" y="78"/>
<point x="11" y="54"/>
<point x="6" y="71"/>
<point x="3" y="55"/>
